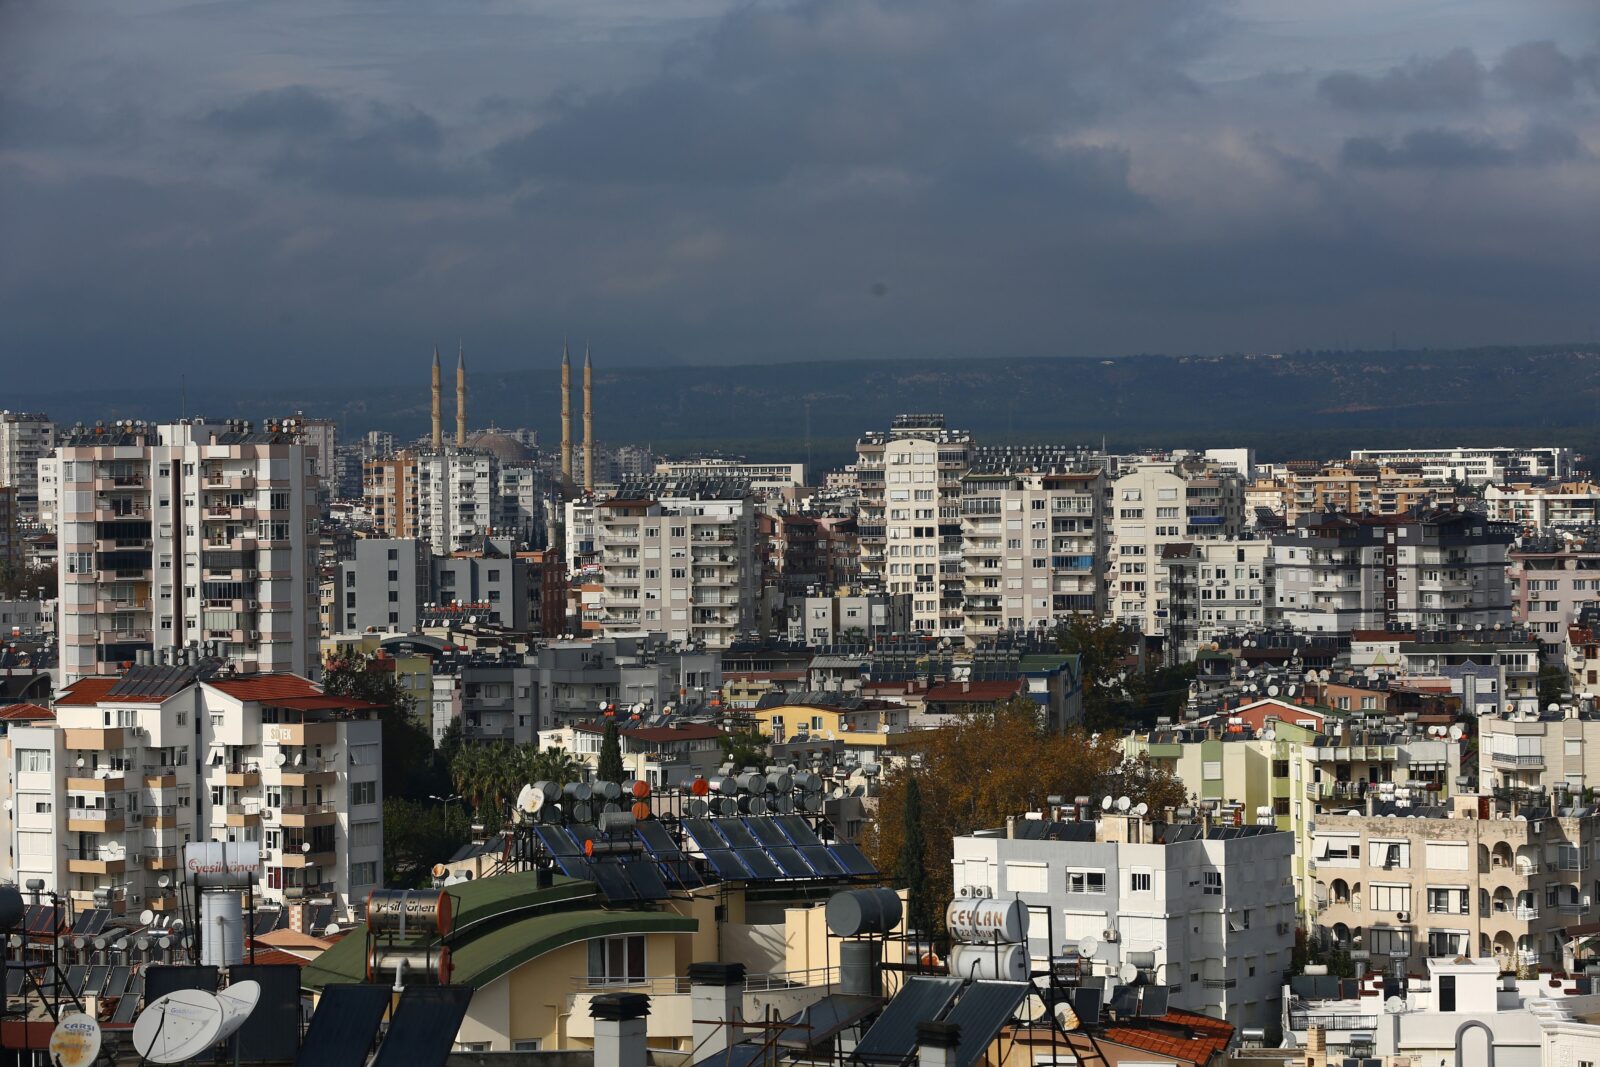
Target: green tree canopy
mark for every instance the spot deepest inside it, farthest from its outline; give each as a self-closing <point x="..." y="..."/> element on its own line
<point x="609" y="768"/>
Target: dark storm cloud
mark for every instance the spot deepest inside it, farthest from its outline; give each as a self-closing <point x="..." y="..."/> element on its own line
<point x="1538" y="70"/>
<point x="1453" y="80"/>
<point x="276" y="186"/>
<point x="1451" y="149"/>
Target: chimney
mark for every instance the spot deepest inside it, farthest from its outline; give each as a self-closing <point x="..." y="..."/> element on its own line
<point x="619" y="1028"/>
<point x="1316" y="1047"/>
<point x="566" y="414"/>
<point x="716" y="1005"/>
<point x="461" y="397"/>
<point x="937" y="1043"/>
<point x="438" y="415"/>
<point x="588" y="422"/>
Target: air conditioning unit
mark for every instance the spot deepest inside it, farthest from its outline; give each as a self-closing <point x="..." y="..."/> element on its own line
<point x="964" y="891"/>
<point x="1108" y="934"/>
<point x="1403" y="916"/>
<point x="252" y="604"/>
<point x="254" y="635"/>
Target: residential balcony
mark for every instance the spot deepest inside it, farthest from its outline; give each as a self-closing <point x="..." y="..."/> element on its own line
<point x="160" y="778"/>
<point x="307" y="892"/>
<point x="310" y="774"/>
<point x="95" y="820"/>
<point x="240" y="815"/>
<point x="302" y="816"/>
<point x="97" y="861"/>
<point x="242" y="776"/>
<point x="167" y="901"/>
<point x="115" y="782"/>
<point x="162" y="857"/>
<point x="161" y="817"/>
<point x="293" y="857"/>
<point x="1515" y="759"/>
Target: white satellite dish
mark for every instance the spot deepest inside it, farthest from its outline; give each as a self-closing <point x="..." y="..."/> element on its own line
<point x="75" y="1041"/>
<point x="237" y="1001"/>
<point x="179" y="1026"/>
<point x="147" y="917"/>
<point x="1105" y="804"/>
<point x="279" y="758"/>
<point x="1457" y="732"/>
<point x="1089" y="945"/>
<point x="1272" y="690"/>
<point x="330" y="929"/>
<point x="1128" y="972"/>
<point x="1123" y="804"/>
<point x="164" y="881"/>
<point x="1033" y="1009"/>
<point x="1394" y="1005"/>
<point x="1141" y="808"/>
<point x="529" y="801"/>
<point x="1067" y="1018"/>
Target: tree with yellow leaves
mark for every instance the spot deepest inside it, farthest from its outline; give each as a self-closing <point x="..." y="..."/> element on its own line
<point x="987" y="766"/>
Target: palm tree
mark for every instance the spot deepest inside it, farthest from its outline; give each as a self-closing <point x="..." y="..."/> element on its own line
<point x="555" y="765"/>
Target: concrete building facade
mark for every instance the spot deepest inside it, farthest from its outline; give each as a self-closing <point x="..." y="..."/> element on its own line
<point x="25" y="439"/>
<point x="187" y="535"/>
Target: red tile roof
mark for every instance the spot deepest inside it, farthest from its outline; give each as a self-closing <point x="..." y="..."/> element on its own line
<point x="86" y="691"/>
<point x="974" y="692"/>
<point x="1206" y="1038"/>
<point x="273" y="956"/>
<point x="321" y="703"/>
<point x="268" y="687"/>
<point x="26" y="713"/>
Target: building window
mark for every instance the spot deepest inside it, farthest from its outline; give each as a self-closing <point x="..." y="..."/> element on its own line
<point x="363" y="792"/>
<point x="614" y="960"/>
<point x="1139" y="882"/>
<point x="1211" y="883"/>
<point x="1086" y="881"/>
<point x="364" y="873"/>
<point x="33" y="759"/>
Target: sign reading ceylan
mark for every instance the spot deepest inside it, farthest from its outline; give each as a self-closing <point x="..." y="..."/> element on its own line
<point x="222" y="864"/>
<point x="987" y="920"/>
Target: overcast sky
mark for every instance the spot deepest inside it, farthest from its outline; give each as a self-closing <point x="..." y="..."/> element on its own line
<point x="253" y="189"/>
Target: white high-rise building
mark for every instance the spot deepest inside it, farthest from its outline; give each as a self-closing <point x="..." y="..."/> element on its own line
<point x="910" y="517"/>
<point x="1212" y="906"/>
<point x="679" y="559"/>
<point x="189" y="535"/>
<point x="1033" y="544"/>
<point x="25" y="439"/>
<point x="137" y="766"/>
<point x="456" y="497"/>
<point x="1154" y="504"/>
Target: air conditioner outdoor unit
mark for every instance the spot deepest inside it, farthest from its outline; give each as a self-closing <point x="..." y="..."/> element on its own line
<point x="1108" y="934"/>
<point x="1403" y="916"/>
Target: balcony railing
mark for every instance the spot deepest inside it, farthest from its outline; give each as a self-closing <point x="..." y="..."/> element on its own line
<point x="1304" y="1020"/>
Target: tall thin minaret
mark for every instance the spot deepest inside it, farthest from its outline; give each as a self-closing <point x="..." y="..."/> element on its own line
<point x="461" y="397"/>
<point x="588" y="421"/>
<point x="438" y="415"/>
<point x="566" y="414"/>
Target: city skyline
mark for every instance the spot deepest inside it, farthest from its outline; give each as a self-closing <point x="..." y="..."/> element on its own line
<point x="716" y="183"/>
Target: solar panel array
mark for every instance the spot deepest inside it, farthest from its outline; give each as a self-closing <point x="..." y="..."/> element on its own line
<point x="423" y="1026"/>
<point x="622" y="877"/>
<point x="982" y="1010"/>
<point x="91" y="922"/>
<point x="779" y="848"/>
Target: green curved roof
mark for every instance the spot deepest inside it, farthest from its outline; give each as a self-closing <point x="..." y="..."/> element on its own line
<point x="502" y="923"/>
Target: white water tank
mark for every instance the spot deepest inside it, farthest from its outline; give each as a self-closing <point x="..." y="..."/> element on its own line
<point x="221" y="929"/>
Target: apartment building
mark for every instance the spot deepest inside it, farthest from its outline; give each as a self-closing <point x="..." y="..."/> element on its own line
<point x="25" y="439"/>
<point x="851" y="615"/>
<point x="1274" y="759"/>
<point x="1485" y="876"/>
<point x="1541" y="507"/>
<point x="910" y="517"/>
<point x="1551" y="579"/>
<point x="457" y="497"/>
<point x="1214" y="588"/>
<point x="1155" y="503"/>
<point x="1033" y="543"/>
<point x="321" y="438"/>
<point x="1212" y="906"/>
<point x="1547" y="750"/>
<point x="576" y="677"/>
<point x="522" y="515"/>
<point x="389" y="487"/>
<point x="494" y="695"/>
<point x="809" y="554"/>
<point x="184" y="535"/>
<point x="1427" y="569"/>
<point x="10" y="536"/>
<point x="668" y="755"/>
<point x="1476" y="465"/>
<point x="679" y="557"/>
<point x="766" y="479"/>
<point x="134" y="767"/>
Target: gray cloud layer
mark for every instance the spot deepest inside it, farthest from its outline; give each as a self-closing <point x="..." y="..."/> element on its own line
<point x="247" y="190"/>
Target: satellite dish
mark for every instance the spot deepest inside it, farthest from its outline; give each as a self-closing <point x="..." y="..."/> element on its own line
<point x="146" y="917"/>
<point x="305" y="847"/>
<point x="1457" y="732"/>
<point x="1128" y="973"/>
<point x="1089" y="945"/>
<point x="1033" y="1009"/>
<point x="1141" y="808"/>
<point x="1272" y="690"/>
<point x="1105" y="804"/>
<point x="1123" y="804"/>
<point x="328" y="931"/>
<point x="1394" y="1005"/>
<point x="1067" y="1018"/>
<point x="75" y="1042"/>
<point x="529" y="801"/>
<point x="81" y="763"/>
<point x="164" y="881"/>
<point x="237" y="1002"/>
<point x="279" y="758"/>
<point x="179" y="1026"/>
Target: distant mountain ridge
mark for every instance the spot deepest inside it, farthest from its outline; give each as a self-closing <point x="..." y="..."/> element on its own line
<point x="1294" y="404"/>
